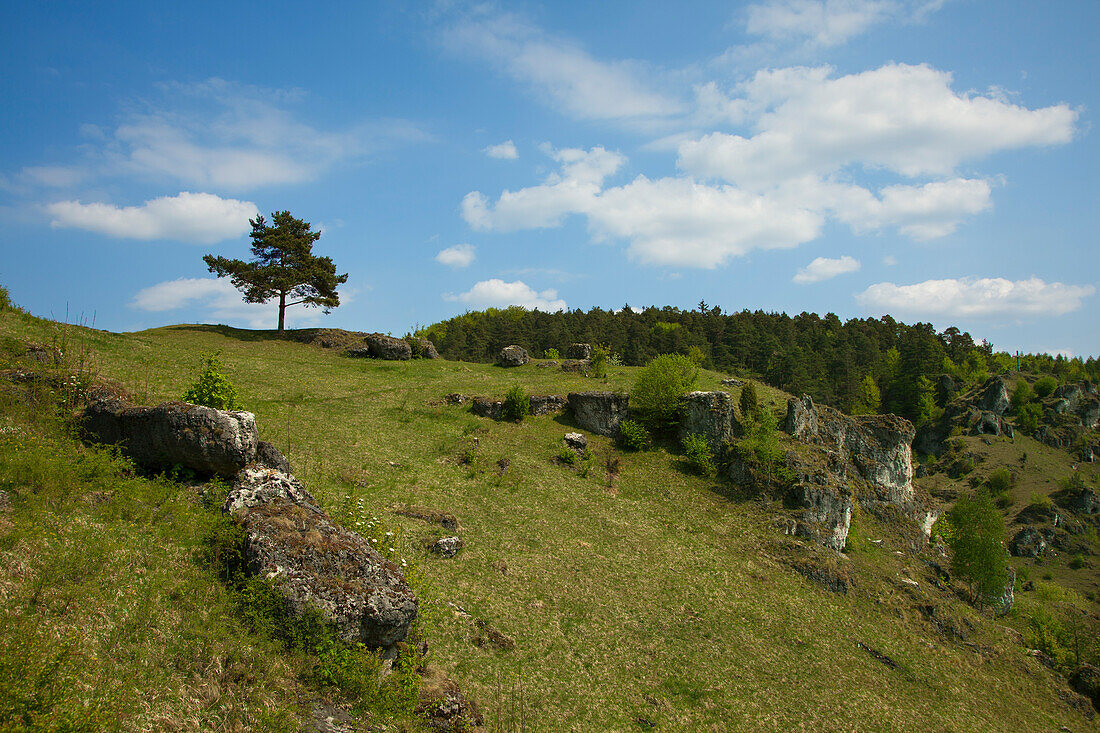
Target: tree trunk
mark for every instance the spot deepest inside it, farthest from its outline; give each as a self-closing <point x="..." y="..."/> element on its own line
<point x="282" y="312"/>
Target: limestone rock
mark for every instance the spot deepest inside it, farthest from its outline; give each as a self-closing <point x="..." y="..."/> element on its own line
<point x="994" y="396"/>
<point x="582" y="352"/>
<point x="427" y="349"/>
<point x="513" y="356"/>
<point x="576" y="441"/>
<point x="485" y="407"/>
<point x="271" y="457"/>
<point x="598" y="412"/>
<point x="576" y="365"/>
<point x="444" y="707"/>
<point x="733" y="382"/>
<point x="1085" y="680"/>
<point x="316" y="563"/>
<point x="546" y="404"/>
<point x="1030" y="542"/>
<point x="389" y="348"/>
<point x="1002" y="603"/>
<point x="710" y="414"/>
<point x="447" y="546"/>
<point x="203" y="439"/>
<point x="1082" y="500"/>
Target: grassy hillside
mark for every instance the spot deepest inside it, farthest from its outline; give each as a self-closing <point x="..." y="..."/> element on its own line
<point x="656" y="600"/>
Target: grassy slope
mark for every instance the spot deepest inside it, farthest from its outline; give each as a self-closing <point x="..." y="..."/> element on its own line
<point x="654" y="603"/>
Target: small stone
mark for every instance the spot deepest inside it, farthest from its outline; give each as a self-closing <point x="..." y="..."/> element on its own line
<point x="447" y="546"/>
<point x="576" y="441"/>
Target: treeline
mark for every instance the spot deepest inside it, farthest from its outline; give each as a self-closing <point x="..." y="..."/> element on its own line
<point x="860" y="365"/>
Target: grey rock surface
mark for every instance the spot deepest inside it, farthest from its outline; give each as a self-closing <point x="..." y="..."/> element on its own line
<point x="513" y="356"/>
<point x="485" y="407"/>
<point x="546" y="404"/>
<point x="581" y="352"/>
<point x="598" y="412"/>
<point x="710" y="414"/>
<point x="271" y="457"/>
<point x="447" y="546"/>
<point x="576" y="441"/>
<point x="388" y="348"/>
<point x="203" y="439"/>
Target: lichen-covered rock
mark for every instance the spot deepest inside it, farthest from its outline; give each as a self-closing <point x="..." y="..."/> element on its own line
<point x="269" y="456"/>
<point x="1002" y="602"/>
<point x="389" y="348"/>
<point x="447" y="546"/>
<point x="879" y="446"/>
<point x="576" y="365"/>
<point x="710" y="414"/>
<point x="581" y="352"/>
<point x="513" y="356"/>
<point x="444" y="707"/>
<point x="544" y="404"/>
<point x="994" y="396"/>
<point x="1030" y="542"/>
<point x="427" y="349"/>
<point x="316" y="563"/>
<point x="598" y="412"/>
<point x="203" y="439"/>
<point x="485" y="407"/>
<point x="1082" y="500"/>
<point x="576" y="441"/>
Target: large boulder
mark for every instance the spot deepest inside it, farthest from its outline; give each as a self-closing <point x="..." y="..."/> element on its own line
<point x="710" y="414"/>
<point x="381" y="346"/>
<point x="269" y="456"/>
<point x="318" y="564"/>
<point x="598" y="412"/>
<point x="582" y="352"/>
<point x="993" y="396"/>
<point x="203" y="439"/>
<point x="485" y="407"/>
<point x="513" y="356"/>
<point x="427" y="349"/>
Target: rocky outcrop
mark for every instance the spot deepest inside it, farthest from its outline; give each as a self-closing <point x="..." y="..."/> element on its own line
<point x="316" y="563"/>
<point x="582" y="352"/>
<point x="598" y="412"/>
<point x="1030" y="542"/>
<point x="494" y="409"/>
<point x="993" y="396"/>
<point x="447" y="546"/>
<point x="203" y="439"/>
<point x="485" y="407"/>
<point x="877" y="446"/>
<point x="388" y="348"/>
<point x="1081" y="500"/>
<point x="1002" y="602"/>
<point x="576" y="441"/>
<point x="268" y="456"/>
<point x="710" y="414"/>
<point x="1085" y="680"/>
<point x="546" y="404"/>
<point x="513" y="356"/>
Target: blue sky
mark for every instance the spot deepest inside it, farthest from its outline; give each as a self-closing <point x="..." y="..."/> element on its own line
<point x="930" y="159"/>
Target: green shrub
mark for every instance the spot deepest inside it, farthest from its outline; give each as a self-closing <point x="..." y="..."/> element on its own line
<point x="1077" y="562"/>
<point x="1027" y="418"/>
<point x="416" y="345"/>
<point x="601" y="355"/>
<point x="750" y="402"/>
<point x="697" y="356"/>
<point x="655" y="399"/>
<point x="1021" y="395"/>
<point x="760" y="448"/>
<point x="633" y="435"/>
<point x="552" y="354"/>
<point x="567" y="455"/>
<point x="517" y="405"/>
<point x="1041" y="501"/>
<point x="697" y="451"/>
<point x="5" y="299"/>
<point x="976" y="537"/>
<point x="212" y="388"/>
<point x="1045" y="387"/>
<point x="999" y="481"/>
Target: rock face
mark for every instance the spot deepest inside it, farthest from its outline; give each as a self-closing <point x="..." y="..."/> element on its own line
<point x="203" y="439"/>
<point x="268" y="456"/>
<point x="485" y="407"/>
<point x="317" y="563"/>
<point x="1002" y="603"/>
<point x="544" y="404"/>
<point x="513" y="356"/>
<point x="427" y="349"/>
<point x="1085" y="680"/>
<point x="582" y="352"/>
<point x="598" y="412"/>
<point x="389" y="348"/>
<point x="710" y="414"/>
<point x="994" y="396"/>
<point x="575" y="365"/>
<point x="1030" y="542"/>
<point x="878" y="446"/>
<point x="576" y="441"/>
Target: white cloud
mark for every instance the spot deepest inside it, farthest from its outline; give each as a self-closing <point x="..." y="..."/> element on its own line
<point x="504" y="151"/>
<point x="903" y="118"/>
<point x="199" y="218"/>
<point x="824" y="268"/>
<point x="499" y="294"/>
<point x="823" y="23"/>
<point x="975" y="298"/>
<point x="561" y="73"/>
<point x="460" y="255"/>
<point x="216" y="300"/>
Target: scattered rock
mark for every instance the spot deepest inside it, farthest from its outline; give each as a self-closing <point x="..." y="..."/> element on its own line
<point x="444" y="519"/>
<point x="513" y="356"/>
<point x="447" y="546"/>
<point x="878" y="655"/>
<point x="328" y="718"/>
<point x="388" y="348"/>
<point x="576" y="365"/>
<point x="546" y="404"/>
<point x="598" y="412"/>
<point x="546" y="364"/>
<point x="485" y="407"/>
<point x="576" y="441"/>
<point x="582" y="352"/>
<point x="454" y="398"/>
<point x="1082" y="500"/>
<point x="427" y="349"/>
<point x="733" y="382"/>
<point x="317" y="563"/>
<point x="271" y="457"/>
<point x="1030" y="542"/>
<point x="206" y="440"/>
<point x="488" y="635"/>
<point x="444" y="706"/>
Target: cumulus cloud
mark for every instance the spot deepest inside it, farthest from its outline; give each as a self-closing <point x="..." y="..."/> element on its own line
<point x="975" y="298"/>
<point x="559" y="72"/>
<point x="460" y="255"/>
<point x="823" y="23"/>
<point x="824" y="268"/>
<point x="900" y="117"/>
<point x="504" y="151"/>
<point x="499" y="294"/>
<point x="216" y="300"/>
<point x="197" y="218"/>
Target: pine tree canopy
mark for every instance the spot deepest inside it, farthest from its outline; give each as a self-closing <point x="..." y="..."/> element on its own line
<point x="285" y="266"/>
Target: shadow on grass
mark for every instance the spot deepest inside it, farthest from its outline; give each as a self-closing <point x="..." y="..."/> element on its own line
<point x="299" y="335"/>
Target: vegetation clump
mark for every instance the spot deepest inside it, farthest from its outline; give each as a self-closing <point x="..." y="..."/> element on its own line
<point x="212" y="388"/>
<point x="517" y="404"/>
<point x="633" y="435"/>
<point x="655" y="399"/>
<point x="975" y="531"/>
<point x="1045" y="387"/>
<point x="697" y="452"/>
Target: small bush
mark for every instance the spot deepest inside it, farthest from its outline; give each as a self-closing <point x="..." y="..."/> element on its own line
<point x="517" y="405"/>
<point x="698" y="358"/>
<point x="633" y="435"/>
<point x="1077" y="562"/>
<point x="5" y="299"/>
<point x="655" y="398"/>
<point x="697" y="451"/>
<point x="551" y="354"/>
<point x="1000" y="481"/>
<point x="1027" y="418"/>
<point x="1041" y="501"/>
<point x="601" y="356"/>
<point x="567" y="455"/>
<point x="750" y="403"/>
<point x="1021" y="395"/>
<point x="212" y="388"/>
<point x="1045" y="387"/>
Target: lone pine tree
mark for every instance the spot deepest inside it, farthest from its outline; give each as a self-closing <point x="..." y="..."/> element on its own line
<point x="285" y="267"/>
